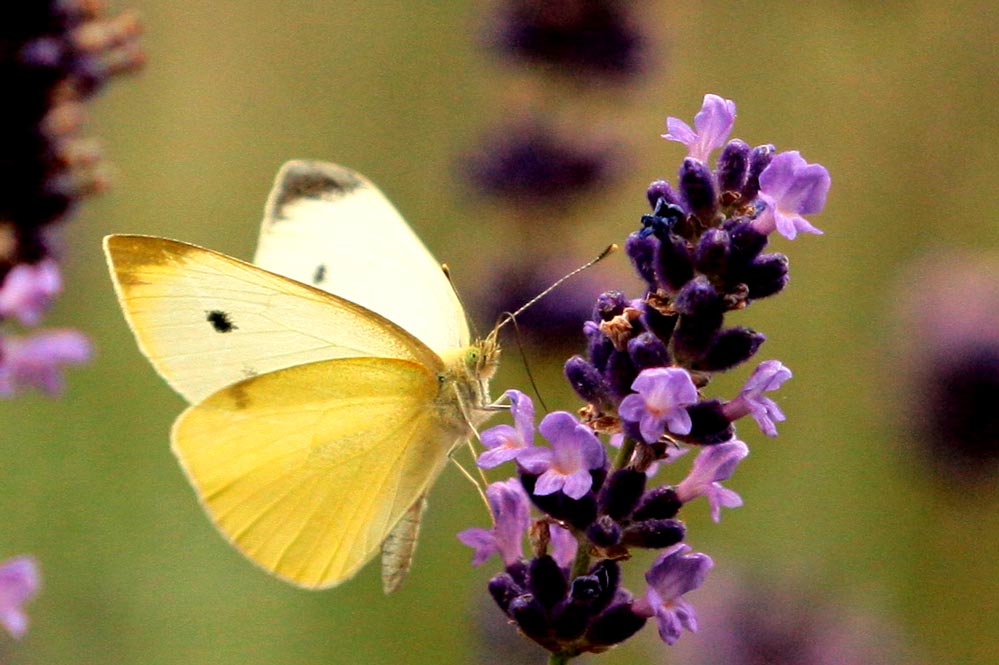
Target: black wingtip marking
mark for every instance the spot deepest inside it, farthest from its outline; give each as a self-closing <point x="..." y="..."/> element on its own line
<point x="220" y="321"/>
<point x="319" y="275"/>
<point x="314" y="181"/>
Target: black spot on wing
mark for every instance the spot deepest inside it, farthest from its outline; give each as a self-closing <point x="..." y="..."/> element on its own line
<point x="220" y="321"/>
<point x="320" y="274"/>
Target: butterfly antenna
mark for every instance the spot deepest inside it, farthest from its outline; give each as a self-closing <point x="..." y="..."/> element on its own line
<point x="511" y="318"/>
<point x="558" y="283"/>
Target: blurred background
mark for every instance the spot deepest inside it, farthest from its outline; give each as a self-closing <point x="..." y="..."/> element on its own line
<point x="870" y="523"/>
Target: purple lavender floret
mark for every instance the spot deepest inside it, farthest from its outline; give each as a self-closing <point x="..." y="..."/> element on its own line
<point x="769" y="376"/>
<point x="675" y="573"/>
<point x="565" y="467"/>
<point x="659" y="403"/>
<point x="644" y="376"/>
<point x="711" y="466"/>
<point x="712" y="125"/>
<point x="503" y="442"/>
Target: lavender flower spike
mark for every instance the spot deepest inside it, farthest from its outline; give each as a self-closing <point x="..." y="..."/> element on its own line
<point x="663" y="395"/>
<point x="504" y="442"/>
<point x="511" y="517"/>
<point x="713" y="464"/>
<point x="18" y="584"/>
<point x="791" y="187"/>
<point x="566" y="465"/>
<point x="712" y="125"/>
<point x="674" y="573"/>
<point x="769" y="375"/>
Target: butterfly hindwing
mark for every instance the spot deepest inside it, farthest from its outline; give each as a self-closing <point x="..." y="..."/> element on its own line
<point x="308" y="469"/>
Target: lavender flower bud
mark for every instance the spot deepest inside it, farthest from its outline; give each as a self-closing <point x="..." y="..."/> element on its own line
<point x="697" y="185"/>
<point x="759" y="160"/>
<point x="530" y="617"/>
<point x="598" y="347"/>
<point x="503" y="590"/>
<point x="660" y="190"/>
<point x="733" y="165"/>
<point x="672" y="262"/>
<point x="659" y="503"/>
<point x="641" y="250"/>
<point x="572" y="618"/>
<point x="647" y="350"/>
<point x="711" y="252"/>
<point x="654" y="534"/>
<point x="620" y="374"/>
<point x="605" y="532"/>
<point x="701" y="314"/>
<point x="709" y="423"/>
<point x="766" y="276"/>
<point x="587" y="381"/>
<point x="730" y="347"/>
<point x="614" y="625"/>
<point x="621" y="493"/>
<point x="609" y="304"/>
<point x="746" y="242"/>
<point x="547" y="581"/>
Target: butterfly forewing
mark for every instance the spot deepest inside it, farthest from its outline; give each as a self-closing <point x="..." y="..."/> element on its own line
<point x="330" y="227"/>
<point x="207" y="320"/>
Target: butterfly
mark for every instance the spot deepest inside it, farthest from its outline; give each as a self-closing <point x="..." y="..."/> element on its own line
<point x="328" y="381"/>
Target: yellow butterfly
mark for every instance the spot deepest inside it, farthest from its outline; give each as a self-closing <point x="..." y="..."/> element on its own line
<point x="329" y="381"/>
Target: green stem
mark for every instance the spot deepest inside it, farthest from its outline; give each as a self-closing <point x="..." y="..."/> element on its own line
<point x="558" y="659"/>
<point x="624" y="453"/>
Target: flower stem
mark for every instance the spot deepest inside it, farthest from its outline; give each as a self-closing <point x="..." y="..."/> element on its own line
<point x="624" y="453"/>
<point x="558" y="659"/>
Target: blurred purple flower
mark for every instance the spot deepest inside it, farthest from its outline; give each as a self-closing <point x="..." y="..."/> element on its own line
<point x="36" y="361"/>
<point x="768" y="376"/>
<point x="712" y="125"/>
<point x="588" y="38"/>
<point x="511" y="519"/>
<point x="28" y="290"/>
<point x="528" y="163"/>
<point x="791" y="187"/>
<point x="713" y="464"/>
<point x="567" y="464"/>
<point x="19" y="582"/>
<point x="504" y="442"/>
<point x="663" y="395"/>
<point x="674" y="573"/>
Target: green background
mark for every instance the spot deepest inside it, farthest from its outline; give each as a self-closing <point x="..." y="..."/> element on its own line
<point x="897" y="99"/>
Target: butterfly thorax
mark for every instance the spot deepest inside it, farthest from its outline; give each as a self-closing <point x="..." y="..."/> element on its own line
<point x="464" y="383"/>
